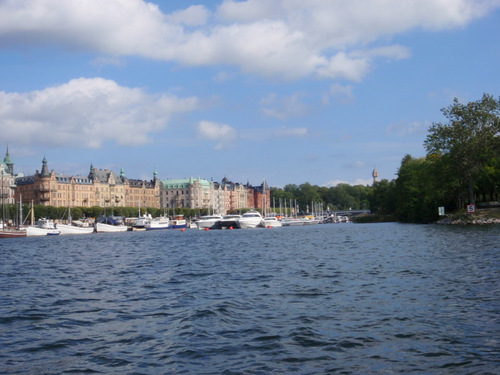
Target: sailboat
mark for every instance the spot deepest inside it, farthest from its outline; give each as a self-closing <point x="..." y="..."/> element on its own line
<point x="43" y="227"/>
<point x="11" y="232"/>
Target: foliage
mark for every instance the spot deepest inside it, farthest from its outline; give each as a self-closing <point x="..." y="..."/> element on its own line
<point x="340" y="197"/>
<point x="469" y="141"/>
<point x="382" y="199"/>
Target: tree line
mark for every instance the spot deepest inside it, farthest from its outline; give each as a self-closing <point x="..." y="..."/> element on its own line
<point x="461" y="166"/>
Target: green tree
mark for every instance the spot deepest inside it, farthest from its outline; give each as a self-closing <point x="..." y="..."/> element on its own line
<point x="469" y="140"/>
<point x="382" y="199"/>
<point x="416" y="192"/>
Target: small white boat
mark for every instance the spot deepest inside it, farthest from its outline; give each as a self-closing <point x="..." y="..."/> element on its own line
<point x="43" y="227"/>
<point x="110" y="224"/>
<point x="141" y="221"/>
<point x="110" y="228"/>
<point x="178" y="222"/>
<point x="209" y="222"/>
<point x="229" y="221"/>
<point x="161" y="222"/>
<point x="309" y="221"/>
<point x="75" y="227"/>
<point x="290" y="221"/>
<point x="250" y="219"/>
<point x="270" y="222"/>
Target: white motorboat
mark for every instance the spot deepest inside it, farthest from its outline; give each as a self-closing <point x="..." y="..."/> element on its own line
<point x="110" y="228"/>
<point x="229" y="221"/>
<point x="110" y="224"/>
<point x="209" y="222"/>
<point x="290" y="221"/>
<point x="271" y="222"/>
<point x="161" y="222"/>
<point x="43" y="227"/>
<point x="309" y="221"/>
<point x="298" y="221"/>
<point x="76" y="227"/>
<point x="141" y="221"/>
<point x="250" y="219"/>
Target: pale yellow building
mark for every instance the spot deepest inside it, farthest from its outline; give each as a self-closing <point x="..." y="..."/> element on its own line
<point x="102" y="188"/>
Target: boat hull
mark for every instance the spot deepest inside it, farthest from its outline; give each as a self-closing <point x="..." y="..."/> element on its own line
<point x="12" y="233"/>
<point x="178" y="224"/>
<point x="208" y="224"/>
<point x="109" y="228"/>
<point x="71" y="229"/>
<point x="157" y="225"/>
<point x="34" y="231"/>
<point x="230" y="221"/>
<point x="266" y="223"/>
<point x="248" y="224"/>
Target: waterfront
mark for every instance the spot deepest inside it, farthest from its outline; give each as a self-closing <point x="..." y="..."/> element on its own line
<point x="347" y="298"/>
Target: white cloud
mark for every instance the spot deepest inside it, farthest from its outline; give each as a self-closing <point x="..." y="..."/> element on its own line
<point x="282" y="108"/>
<point x="342" y="93"/>
<point x="195" y="15"/>
<point x="223" y="134"/>
<point x="87" y="113"/>
<point x="286" y="39"/>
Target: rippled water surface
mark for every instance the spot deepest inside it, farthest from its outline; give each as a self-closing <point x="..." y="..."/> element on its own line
<point x="351" y="299"/>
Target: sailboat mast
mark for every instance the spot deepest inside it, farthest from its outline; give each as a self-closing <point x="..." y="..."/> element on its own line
<point x="3" y="206"/>
<point x="20" y="210"/>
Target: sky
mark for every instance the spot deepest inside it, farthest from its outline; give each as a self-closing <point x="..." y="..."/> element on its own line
<point x="290" y="91"/>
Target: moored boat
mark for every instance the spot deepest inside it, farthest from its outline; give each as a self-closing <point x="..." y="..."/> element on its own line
<point x="43" y="227"/>
<point x="161" y="222"/>
<point x="75" y="227"/>
<point x="229" y="221"/>
<point x="110" y="228"/>
<point x="12" y="232"/>
<point x="141" y="222"/>
<point x="209" y="222"/>
<point x="111" y="224"/>
<point x="270" y="222"/>
<point x="290" y="221"/>
<point x="178" y="222"/>
<point x="250" y="219"/>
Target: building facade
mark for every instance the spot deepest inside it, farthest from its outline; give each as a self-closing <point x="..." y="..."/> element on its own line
<point x="102" y="188"/>
<point x="187" y="193"/>
<point x="7" y="180"/>
<point x="106" y="188"/>
<point x="213" y="196"/>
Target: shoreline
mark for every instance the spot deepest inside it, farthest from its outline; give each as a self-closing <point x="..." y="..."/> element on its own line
<point x="483" y="216"/>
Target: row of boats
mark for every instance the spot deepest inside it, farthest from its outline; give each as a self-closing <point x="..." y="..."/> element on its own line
<point x="113" y="224"/>
<point x="250" y="219"/>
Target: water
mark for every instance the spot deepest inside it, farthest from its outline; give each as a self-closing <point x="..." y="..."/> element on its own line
<point x="345" y="298"/>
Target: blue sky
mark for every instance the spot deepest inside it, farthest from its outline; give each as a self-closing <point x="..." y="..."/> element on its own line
<point x="291" y="91"/>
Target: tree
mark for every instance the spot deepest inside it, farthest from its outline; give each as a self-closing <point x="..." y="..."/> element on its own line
<point x="468" y="141"/>
<point x="382" y="200"/>
<point x="417" y="193"/>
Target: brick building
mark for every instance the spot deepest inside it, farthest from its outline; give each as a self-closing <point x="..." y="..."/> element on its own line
<point x="103" y="188"/>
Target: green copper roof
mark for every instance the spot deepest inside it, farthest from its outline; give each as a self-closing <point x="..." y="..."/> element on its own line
<point x="184" y="183"/>
<point x="7" y="160"/>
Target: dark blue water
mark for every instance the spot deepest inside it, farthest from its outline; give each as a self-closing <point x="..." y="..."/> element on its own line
<point x="345" y="298"/>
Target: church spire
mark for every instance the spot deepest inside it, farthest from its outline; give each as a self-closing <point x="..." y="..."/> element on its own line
<point x="45" y="169"/>
<point x="8" y="162"/>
